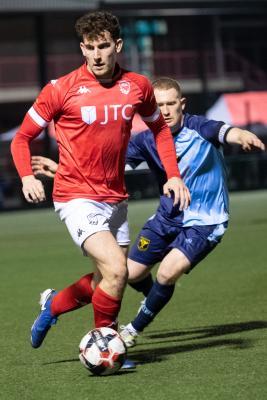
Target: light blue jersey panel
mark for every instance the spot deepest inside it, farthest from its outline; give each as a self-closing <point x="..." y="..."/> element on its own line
<point x="203" y="170"/>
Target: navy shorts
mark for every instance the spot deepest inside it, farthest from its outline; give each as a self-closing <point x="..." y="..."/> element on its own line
<point x="157" y="238"/>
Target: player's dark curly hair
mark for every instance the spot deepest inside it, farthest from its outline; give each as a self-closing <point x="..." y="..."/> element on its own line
<point x="93" y="25"/>
<point x="166" y="83"/>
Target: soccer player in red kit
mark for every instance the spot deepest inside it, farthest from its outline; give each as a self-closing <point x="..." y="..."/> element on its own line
<point x="92" y="109"/>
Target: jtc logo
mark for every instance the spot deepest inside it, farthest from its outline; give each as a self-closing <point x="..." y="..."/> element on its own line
<point x="112" y="112"/>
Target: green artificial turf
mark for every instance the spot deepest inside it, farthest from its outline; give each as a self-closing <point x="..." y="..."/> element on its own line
<point x="209" y="343"/>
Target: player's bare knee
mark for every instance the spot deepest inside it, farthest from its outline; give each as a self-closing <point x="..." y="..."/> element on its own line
<point x="168" y="276"/>
<point x="136" y="271"/>
<point x="118" y="276"/>
<point x="165" y="278"/>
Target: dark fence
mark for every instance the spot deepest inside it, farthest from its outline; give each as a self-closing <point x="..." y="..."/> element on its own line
<point x="245" y="172"/>
<point x="182" y="65"/>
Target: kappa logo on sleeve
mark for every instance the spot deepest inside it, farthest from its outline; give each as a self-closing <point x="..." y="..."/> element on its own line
<point x="143" y="243"/>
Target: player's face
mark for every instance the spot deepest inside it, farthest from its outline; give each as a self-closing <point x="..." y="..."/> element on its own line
<point x="171" y="106"/>
<point x="101" y="55"/>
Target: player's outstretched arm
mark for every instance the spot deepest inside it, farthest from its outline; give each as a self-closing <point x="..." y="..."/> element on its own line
<point x="43" y="166"/>
<point x="179" y="189"/>
<point x="246" y="139"/>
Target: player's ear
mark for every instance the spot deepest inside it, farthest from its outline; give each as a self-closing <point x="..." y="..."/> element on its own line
<point x="183" y="103"/>
<point x="83" y="48"/>
<point x="118" y="45"/>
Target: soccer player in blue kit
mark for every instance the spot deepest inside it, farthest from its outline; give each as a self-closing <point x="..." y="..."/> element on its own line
<point x="179" y="240"/>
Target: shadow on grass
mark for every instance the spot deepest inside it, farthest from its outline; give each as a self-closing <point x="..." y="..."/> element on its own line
<point x="203" y="332"/>
<point x="120" y="372"/>
<point x="70" y="360"/>
<point x="159" y="354"/>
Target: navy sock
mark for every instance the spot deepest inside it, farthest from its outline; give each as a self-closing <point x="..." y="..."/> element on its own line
<point x="143" y="286"/>
<point x="157" y="298"/>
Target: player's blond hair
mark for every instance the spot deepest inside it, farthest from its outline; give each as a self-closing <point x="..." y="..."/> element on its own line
<point x="165" y="83"/>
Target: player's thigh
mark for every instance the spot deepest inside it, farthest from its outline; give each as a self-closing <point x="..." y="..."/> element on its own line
<point x="173" y="265"/>
<point x="136" y="271"/>
<point x="107" y="254"/>
<point x="196" y="242"/>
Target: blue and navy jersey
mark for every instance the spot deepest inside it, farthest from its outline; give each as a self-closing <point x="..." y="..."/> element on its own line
<point x="200" y="158"/>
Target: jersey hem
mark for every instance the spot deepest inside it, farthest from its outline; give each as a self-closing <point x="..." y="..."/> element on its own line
<point x="106" y="199"/>
<point x="207" y="222"/>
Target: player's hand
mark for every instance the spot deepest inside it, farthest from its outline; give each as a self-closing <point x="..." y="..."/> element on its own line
<point x="33" y="189"/>
<point x="44" y="166"/>
<point x="180" y="192"/>
<point x="249" y="141"/>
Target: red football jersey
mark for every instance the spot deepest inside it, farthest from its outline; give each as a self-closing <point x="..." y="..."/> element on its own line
<point x="92" y="121"/>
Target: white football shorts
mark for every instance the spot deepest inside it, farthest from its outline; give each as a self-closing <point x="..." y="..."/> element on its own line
<point x="84" y="217"/>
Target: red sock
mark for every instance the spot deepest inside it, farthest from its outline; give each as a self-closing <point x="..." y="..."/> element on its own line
<point x="75" y="296"/>
<point x="106" y="309"/>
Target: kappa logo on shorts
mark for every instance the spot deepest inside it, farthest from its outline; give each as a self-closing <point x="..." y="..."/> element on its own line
<point x="80" y="232"/>
<point x="143" y="243"/>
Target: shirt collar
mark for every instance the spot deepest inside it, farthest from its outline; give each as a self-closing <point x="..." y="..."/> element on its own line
<point x="116" y="75"/>
<point x="176" y="131"/>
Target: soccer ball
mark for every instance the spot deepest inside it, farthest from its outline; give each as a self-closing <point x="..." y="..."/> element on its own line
<point x="102" y="351"/>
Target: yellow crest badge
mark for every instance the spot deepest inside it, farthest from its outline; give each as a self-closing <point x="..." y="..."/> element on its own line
<point x="143" y="243"/>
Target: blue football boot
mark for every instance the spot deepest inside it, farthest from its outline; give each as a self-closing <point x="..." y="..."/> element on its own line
<point x="128" y="364"/>
<point x="45" y="319"/>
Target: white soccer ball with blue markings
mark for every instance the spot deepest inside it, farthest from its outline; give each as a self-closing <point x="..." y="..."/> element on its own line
<point x="102" y="351"/>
